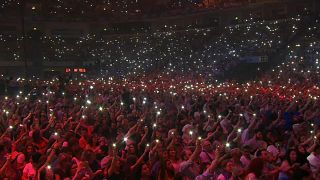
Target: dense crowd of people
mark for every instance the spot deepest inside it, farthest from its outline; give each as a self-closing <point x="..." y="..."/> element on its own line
<point x="110" y="9"/>
<point x="192" y="50"/>
<point x="159" y="113"/>
<point x="164" y="127"/>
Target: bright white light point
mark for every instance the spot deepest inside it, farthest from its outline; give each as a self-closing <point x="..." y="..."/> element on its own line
<point x="49" y="167"/>
<point x="125" y="139"/>
<point x="190" y="132"/>
<point x="91" y="87"/>
<point x="10" y="127"/>
<point x="219" y="116"/>
<point x="100" y="108"/>
<point x="154" y="125"/>
<point x="182" y="107"/>
<point x="88" y="102"/>
<point x="239" y="130"/>
<point x="121" y="103"/>
<point x="227" y="144"/>
<point x="158" y="112"/>
<point x="56" y="134"/>
<point x="114" y="145"/>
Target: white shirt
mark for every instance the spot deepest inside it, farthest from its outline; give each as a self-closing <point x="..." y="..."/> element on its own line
<point x="314" y="161"/>
<point x="29" y="171"/>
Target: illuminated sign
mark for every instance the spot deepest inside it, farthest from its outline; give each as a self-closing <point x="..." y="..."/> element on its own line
<point x="76" y="70"/>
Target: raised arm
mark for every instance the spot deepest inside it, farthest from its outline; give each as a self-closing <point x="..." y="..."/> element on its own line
<point x="214" y="164"/>
<point x="4" y="167"/>
<point x="54" y="147"/>
<point x="209" y="137"/>
<point x="196" y="152"/>
<point x="140" y="160"/>
<point x="234" y="130"/>
<point x="131" y="130"/>
<point x="114" y="162"/>
<point x="144" y="137"/>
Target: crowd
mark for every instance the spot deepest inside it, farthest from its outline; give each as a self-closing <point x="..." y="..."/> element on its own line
<point x="192" y="50"/>
<point x="171" y="123"/>
<point x="111" y="9"/>
<point x="164" y="127"/>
